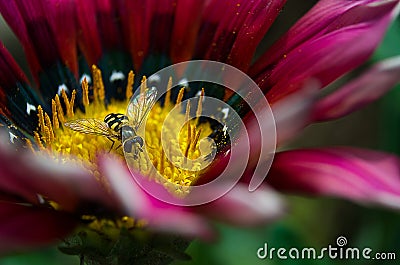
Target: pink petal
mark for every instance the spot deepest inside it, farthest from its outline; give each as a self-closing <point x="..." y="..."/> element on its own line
<point x="340" y="47"/>
<point x="137" y="203"/>
<point x="242" y="207"/>
<point x="26" y="175"/>
<point x="359" y="92"/>
<point x="360" y="175"/>
<point x="23" y="227"/>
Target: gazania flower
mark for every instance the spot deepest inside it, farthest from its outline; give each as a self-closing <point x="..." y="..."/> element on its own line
<point x="83" y="56"/>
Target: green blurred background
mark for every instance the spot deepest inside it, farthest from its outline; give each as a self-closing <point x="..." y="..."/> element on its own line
<point x="310" y="222"/>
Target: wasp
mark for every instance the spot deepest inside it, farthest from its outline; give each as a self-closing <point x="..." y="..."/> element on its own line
<point x="120" y="127"/>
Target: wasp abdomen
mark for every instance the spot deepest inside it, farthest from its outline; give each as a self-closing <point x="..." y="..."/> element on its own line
<point x="115" y="121"/>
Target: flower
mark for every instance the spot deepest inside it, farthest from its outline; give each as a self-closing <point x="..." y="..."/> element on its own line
<point x="76" y="179"/>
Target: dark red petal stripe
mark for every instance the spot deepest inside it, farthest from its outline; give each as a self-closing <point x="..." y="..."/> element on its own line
<point x="109" y="24"/>
<point x="61" y="16"/>
<point x="187" y="23"/>
<point x="161" y="23"/>
<point x="249" y="35"/>
<point x="135" y="23"/>
<point x="89" y="37"/>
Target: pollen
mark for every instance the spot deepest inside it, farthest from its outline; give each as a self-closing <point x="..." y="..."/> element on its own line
<point x="173" y="147"/>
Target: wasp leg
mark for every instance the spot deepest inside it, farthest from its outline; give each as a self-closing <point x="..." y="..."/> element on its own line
<point x="112" y="145"/>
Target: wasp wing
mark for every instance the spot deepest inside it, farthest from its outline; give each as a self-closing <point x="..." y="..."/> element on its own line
<point x="140" y="106"/>
<point x="90" y="126"/>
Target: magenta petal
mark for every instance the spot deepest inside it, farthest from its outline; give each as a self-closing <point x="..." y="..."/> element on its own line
<point x="89" y="39"/>
<point x="26" y="175"/>
<point x="187" y="22"/>
<point x="57" y="13"/>
<point x="308" y="27"/>
<point x="341" y="46"/>
<point x="232" y="35"/>
<point x="360" y="175"/>
<point x="11" y="14"/>
<point x="10" y="73"/>
<point x="359" y="92"/>
<point x="135" y="24"/>
<point x="256" y="24"/>
<point x="137" y="203"/>
<point x="242" y="207"/>
<point x="23" y="227"/>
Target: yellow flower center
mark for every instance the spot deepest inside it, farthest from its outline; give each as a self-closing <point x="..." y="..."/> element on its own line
<point x="65" y="144"/>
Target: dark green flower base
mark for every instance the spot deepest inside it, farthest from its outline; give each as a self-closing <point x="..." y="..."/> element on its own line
<point x="129" y="247"/>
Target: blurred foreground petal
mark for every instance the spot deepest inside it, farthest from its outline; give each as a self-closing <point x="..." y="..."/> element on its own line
<point x="160" y="216"/>
<point x="26" y="175"/>
<point x="363" y="90"/>
<point x="242" y="207"/>
<point x="360" y="175"/>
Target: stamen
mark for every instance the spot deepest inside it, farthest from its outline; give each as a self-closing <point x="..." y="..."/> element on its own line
<point x="54" y="111"/>
<point x="180" y="96"/>
<point x="200" y="105"/>
<point x="129" y="85"/>
<point x="98" y="85"/>
<point x="71" y="103"/>
<point x="60" y="111"/>
<point x="143" y="85"/>
<point x="47" y="137"/>
<point x="85" y="92"/>
<point x="29" y="145"/>
<point x="49" y="126"/>
<point x="66" y="102"/>
<point x="38" y="141"/>
<point x="195" y="141"/>
<point x="168" y="95"/>
<point x="41" y="118"/>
